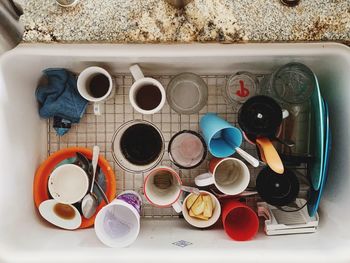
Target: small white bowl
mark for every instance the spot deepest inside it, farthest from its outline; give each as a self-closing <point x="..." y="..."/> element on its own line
<point x="67" y="3"/>
<point x="198" y="222"/>
<point x="68" y="184"/>
<point x="61" y="215"/>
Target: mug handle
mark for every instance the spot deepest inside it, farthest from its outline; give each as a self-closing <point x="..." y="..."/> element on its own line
<point x="136" y="72"/>
<point x="97" y="108"/>
<point x="177" y="206"/>
<point x="204" y="179"/>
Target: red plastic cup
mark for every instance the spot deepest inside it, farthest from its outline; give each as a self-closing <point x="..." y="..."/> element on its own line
<point x="240" y="221"/>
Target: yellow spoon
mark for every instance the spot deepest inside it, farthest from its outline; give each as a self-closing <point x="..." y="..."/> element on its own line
<point x="270" y="155"/>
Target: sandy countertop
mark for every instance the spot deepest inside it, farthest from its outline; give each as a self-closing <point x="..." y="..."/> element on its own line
<point x="142" y="21"/>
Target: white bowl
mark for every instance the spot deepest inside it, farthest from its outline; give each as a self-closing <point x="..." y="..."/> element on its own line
<point x="56" y="213"/>
<point x="68" y="184"/>
<point x="198" y="222"/>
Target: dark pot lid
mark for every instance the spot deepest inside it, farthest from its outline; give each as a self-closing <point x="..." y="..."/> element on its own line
<point x="260" y="116"/>
<point x="277" y="189"/>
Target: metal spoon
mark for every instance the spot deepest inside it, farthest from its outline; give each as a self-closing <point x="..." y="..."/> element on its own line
<point x="85" y="164"/>
<point x="89" y="203"/>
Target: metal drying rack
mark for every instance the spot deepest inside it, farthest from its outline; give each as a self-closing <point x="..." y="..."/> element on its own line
<point x="100" y="129"/>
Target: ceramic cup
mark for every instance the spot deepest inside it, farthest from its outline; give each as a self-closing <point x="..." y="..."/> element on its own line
<point x="221" y="137"/>
<point x="199" y="223"/>
<point x="96" y="85"/>
<point x="146" y="95"/>
<point x="118" y="223"/>
<point x="240" y="221"/>
<point x="68" y="184"/>
<point x="230" y="175"/>
<point x="138" y="146"/>
<point x="187" y="149"/>
<point x="162" y="188"/>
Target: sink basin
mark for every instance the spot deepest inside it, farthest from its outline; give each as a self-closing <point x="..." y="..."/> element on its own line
<point x="24" y="137"/>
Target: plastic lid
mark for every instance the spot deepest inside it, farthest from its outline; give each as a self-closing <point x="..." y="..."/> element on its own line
<point x="260" y="116"/>
<point x="277" y="189"/>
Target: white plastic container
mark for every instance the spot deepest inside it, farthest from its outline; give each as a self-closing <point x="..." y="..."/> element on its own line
<point x="25" y="237"/>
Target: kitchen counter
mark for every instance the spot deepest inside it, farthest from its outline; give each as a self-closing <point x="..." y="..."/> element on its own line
<point x="143" y="21"/>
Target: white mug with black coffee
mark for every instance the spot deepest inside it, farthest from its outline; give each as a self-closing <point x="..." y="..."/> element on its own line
<point x="147" y="95"/>
<point x="96" y="85"/>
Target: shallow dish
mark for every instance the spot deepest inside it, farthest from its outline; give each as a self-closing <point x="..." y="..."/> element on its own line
<point x="61" y="215"/>
<point x="198" y="222"/>
<point x="68" y="184"/>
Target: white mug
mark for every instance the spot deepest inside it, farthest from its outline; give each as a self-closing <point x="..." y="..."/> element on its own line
<point x="142" y="82"/>
<point x="118" y="223"/>
<point x="84" y="81"/>
<point x="163" y="196"/>
<point x="230" y="175"/>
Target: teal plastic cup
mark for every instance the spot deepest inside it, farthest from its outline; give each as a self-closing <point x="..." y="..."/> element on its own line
<point x="220" y="136"/>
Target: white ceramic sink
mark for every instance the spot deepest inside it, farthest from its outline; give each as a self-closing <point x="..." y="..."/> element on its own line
<point x="24" y="237"/>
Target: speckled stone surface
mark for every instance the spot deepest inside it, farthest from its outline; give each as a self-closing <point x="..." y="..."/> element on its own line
<point x="121" y="21"/>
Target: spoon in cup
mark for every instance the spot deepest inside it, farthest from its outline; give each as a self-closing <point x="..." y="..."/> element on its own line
<point x="89" y="203"/>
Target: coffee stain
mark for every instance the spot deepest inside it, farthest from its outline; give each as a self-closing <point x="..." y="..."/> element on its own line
<point x="64" y="211"/>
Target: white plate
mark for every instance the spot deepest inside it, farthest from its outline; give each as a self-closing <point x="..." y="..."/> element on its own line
<point x="61" y="215"/>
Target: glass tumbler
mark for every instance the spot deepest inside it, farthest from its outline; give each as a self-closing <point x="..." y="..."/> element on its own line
<point x="240" y="87"/>
<point x="293" y="83"/>
<point x="187" y="93"/>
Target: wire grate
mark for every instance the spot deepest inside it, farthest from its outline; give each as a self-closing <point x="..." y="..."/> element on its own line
<point x="100" y="129"/>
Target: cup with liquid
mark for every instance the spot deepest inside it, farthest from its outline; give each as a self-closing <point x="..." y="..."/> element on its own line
<point x="96" y="85"/>
<point x="138" y="146"/>
<point x="147" y="95"/>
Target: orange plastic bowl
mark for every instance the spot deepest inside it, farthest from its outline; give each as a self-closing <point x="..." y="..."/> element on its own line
<point x="40" y="190"/>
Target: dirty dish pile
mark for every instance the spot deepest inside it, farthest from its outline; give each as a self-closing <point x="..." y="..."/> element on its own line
<point x="228" y="188"/>
<point x="62" y="181"/>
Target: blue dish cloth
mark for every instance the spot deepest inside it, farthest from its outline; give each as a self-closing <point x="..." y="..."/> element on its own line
<point x="59" y="98"/>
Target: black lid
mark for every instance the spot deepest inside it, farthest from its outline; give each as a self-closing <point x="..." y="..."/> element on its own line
<point x="277" y="189"/>
<point x="260" y="116"/>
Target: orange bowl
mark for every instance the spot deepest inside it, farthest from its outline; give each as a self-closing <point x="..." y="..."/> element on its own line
<point x="40" y="190"/>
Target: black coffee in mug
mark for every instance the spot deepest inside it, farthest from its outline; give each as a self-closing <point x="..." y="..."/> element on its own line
<point x="148" y="97"/>
<point x="141" y="144"/>
<point x="98" y="85"/>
